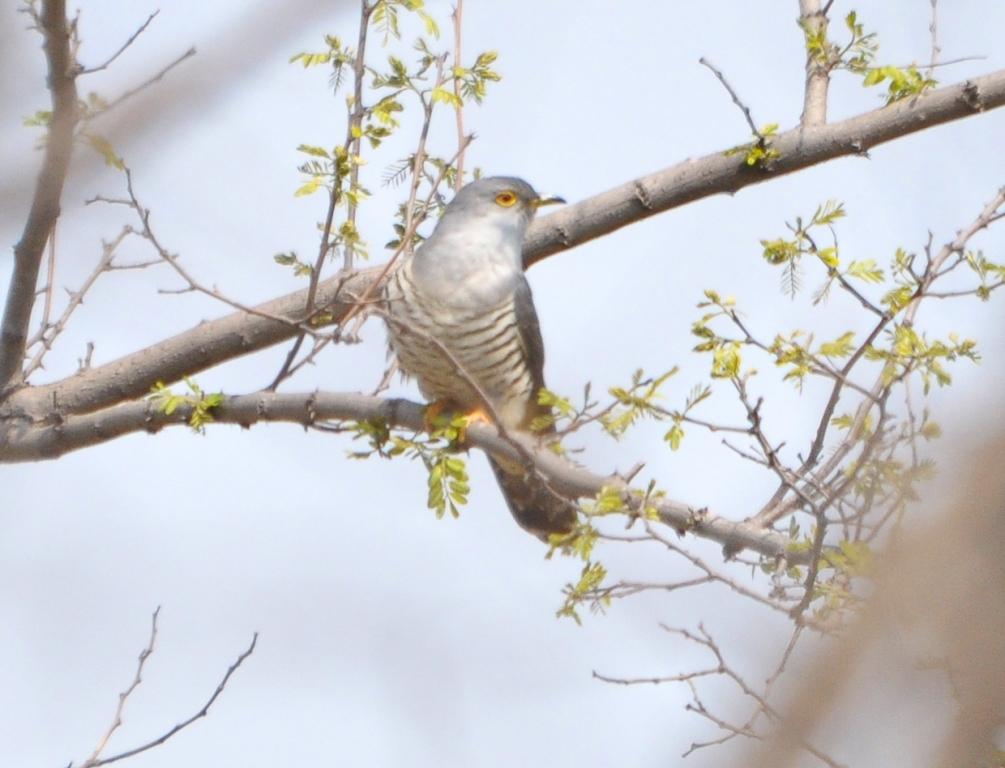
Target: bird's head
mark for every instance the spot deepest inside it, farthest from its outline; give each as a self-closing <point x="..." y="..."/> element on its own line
<point x="504" y="201"/>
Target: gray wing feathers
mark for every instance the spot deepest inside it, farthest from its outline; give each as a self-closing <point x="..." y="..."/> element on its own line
<point x="530" y="334"/>
<point x="534" y="506"/>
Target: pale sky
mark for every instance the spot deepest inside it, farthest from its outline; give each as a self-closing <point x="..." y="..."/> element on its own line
<point x="388" y="637"/>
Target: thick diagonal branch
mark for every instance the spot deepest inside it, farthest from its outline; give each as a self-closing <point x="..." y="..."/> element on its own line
<point x="220" y="340"/>
<point x="48" y="190"/>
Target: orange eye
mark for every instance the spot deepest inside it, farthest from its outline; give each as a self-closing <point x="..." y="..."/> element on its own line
<point x="506" y="199"/>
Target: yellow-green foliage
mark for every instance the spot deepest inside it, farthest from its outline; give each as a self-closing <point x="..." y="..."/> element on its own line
<point x="201" y="403"/>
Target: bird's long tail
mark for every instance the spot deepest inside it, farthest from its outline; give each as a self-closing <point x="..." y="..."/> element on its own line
<point x="536" y="507"/>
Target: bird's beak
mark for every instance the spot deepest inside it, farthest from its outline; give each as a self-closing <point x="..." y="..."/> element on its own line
<point x="548" y="200"/>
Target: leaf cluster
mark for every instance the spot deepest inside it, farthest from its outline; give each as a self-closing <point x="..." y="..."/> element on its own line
<point x="202" y="404"/>
<point x="858" y="56"/>
<point x="758" y="153"/>
<point x="447" y="481"/>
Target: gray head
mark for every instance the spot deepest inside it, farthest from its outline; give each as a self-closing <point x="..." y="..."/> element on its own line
<point x="473" y="257"/>
<point x="504" y="201"/>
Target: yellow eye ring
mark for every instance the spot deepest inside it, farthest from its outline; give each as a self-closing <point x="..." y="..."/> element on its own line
<point x="506" y="199"/>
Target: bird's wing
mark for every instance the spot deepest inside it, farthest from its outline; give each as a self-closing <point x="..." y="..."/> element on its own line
<point x="536" y="507"/>
<point x="530" y="339"/>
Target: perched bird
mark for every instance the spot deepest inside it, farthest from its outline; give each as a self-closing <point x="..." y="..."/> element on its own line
<point x="465" y="288"/>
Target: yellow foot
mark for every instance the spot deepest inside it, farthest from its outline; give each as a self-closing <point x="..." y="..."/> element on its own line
<point x="439" y="416"/>
<point x="434" y="417"/>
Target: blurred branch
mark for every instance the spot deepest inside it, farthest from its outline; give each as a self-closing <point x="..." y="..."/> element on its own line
<point x="155" y="78"/>
<point x="122" y="49"/>
<point x="458" y="17"/>
<point x="222" y="67"/>
<point x="941" y="587"/>
<point x="48" y="189"/>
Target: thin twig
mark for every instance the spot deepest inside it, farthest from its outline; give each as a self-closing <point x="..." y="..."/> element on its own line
<point x="352" y="145"/>
<point x="192" y="284"/>
<point x="933" y="27"/>
<point x="934" y="269"/>
<point x="457" y="17"/>
<point x="126" y="95"/>
<point x="185" y="723"/>
<point x="736" y="99"/>
<point x="132" y="38"/>
<point x="49" y="332"/>
<point x="145" y="654"/>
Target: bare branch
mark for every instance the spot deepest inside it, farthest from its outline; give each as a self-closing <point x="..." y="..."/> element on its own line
<point x="736" y="99"/>
<point x="49" y="332"/>
<point x="185" y="723"/>
<point x="933" y="28"/>
<point x="124" y="696"/>
<point x="48" y="191"/>
<point x="721" y="669"/>
<point x="157" y="77"/>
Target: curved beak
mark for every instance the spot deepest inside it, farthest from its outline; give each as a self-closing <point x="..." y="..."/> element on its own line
<point x="548" y="200"/>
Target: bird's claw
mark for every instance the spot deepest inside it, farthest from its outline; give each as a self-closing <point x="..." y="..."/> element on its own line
<point x="439" y="417"/>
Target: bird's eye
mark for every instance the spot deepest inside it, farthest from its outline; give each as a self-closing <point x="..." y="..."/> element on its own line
<point x="506" y="199"/>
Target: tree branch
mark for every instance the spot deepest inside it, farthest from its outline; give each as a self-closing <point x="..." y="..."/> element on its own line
<point x="693" y="180"/>
<point x="814" y="21"/>
<point x="48" y="191"/>
<point x="49" y="441"/>
<point x="217" y="341"/>
<point x="185" y="723"/>
<point x="116" y="723"/>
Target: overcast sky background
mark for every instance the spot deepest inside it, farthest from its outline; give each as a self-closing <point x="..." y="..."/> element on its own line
<point x="388" y="637"/>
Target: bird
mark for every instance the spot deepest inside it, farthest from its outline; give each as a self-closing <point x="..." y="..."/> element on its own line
<point x="462" y="300"/>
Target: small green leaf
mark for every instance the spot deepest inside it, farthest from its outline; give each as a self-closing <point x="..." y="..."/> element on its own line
<point x="865" y="270"/>
<point x="674" y="436"/>
<point x="103" y="147"/>
<point x="310" y="149"/>
<point x="842" y="346"/>
<point x="443" y="96"/>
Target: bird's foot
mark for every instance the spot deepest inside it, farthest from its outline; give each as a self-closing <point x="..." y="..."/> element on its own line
<point x="440" y="418"/>
<point x="436" y="415"/>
